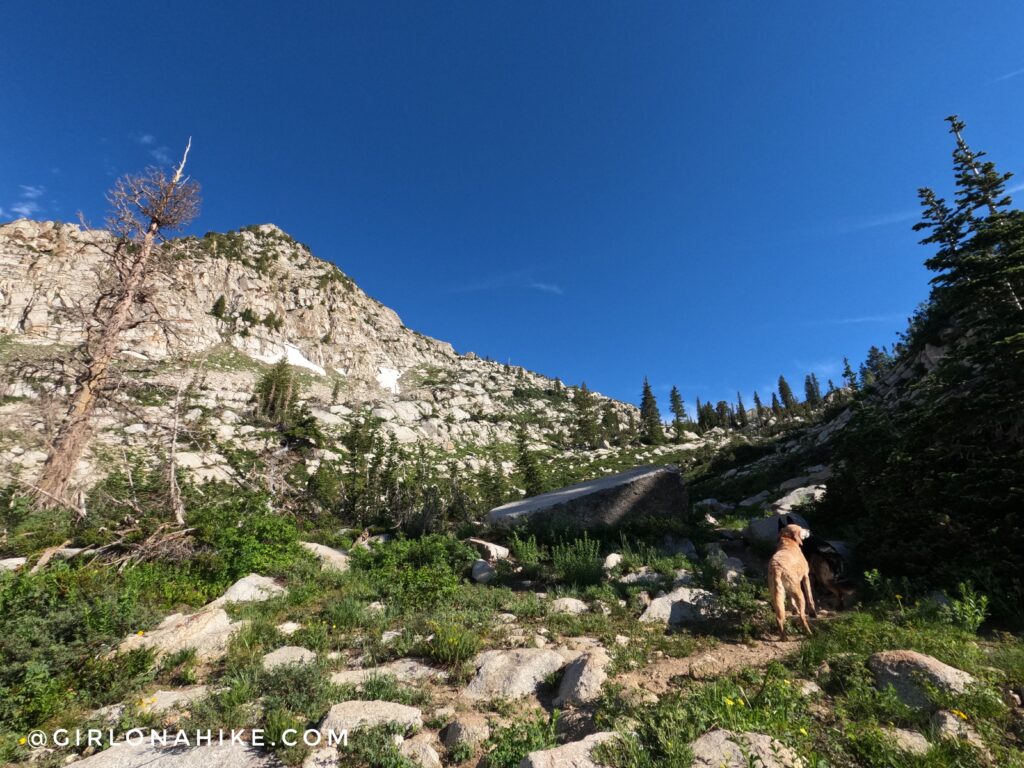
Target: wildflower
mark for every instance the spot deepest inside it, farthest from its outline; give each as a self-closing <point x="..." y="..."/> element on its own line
<point x="22" y="741"/>
<point x="729" y="702"/>
<point x="803" y="731"/>
<point x="899" y="597"/>
<point x="140" y="633"/>
<point x="959" y="714"/>
<point x="741" y="703"/>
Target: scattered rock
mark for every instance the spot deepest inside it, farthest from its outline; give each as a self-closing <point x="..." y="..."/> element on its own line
<point x="612" y="561"/>
<point x="602" y="503"/>
<point x="469" y="730"/>
<point x="289" y="628"/>
<point x="797" y="497"/>
<point x="489" y="551"/>
<point x="420" y="753"/>
<point x="511" y="674"/>
<point x="350" y="715"/>
<point x="727" y="749"/>
<point x="286" y="655"/>
<point x="755" y="500"/>
<point x="908" y="741"/>
<point x="324" y="757"/>
<point x="483" y="572"/>
<point x="330" y="559"/>
<point x="403" y="670"/>
<point x="573" y="755"/>
<point x="164" y="701"/>
<point x="12" y="563"/>
<point x="908" y="672"/>
<point x="583" y="678"/>
<point x="207" y="632"/>
<point x="950" y="725"/>
<point x="250" y="589"/>
<point x="569" y="605"/>
<point x="683" y="605"/>
<point x="765" y="530"/>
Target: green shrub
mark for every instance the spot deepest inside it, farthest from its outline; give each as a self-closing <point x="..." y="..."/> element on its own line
<point x="416" y="572"/>
<point x="969" y="611"/>
<point x="452" y="643"/>
<point x="507" y="746"/>
<point x="578" y="562"/>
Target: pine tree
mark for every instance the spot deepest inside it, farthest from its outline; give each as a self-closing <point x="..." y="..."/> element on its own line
<point x="587" y="431"/>
<point x="776" y="407"/>
<point x="786" y="395"/>
<point x="527" y="464"/>
<point x="812" y="391"/>
<point x="679" y="412"/>
<point x="759" y="409"/>
<point x="849" y="377"/>
<point x="610" y="424"/>
<point x="741" y="412"/>
<point x="724" y="412"/>
<point x="651" y="431"/>
<point x="220" y="307"/>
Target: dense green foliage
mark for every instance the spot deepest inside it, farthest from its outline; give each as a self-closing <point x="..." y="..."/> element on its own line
<point x="933" y="460"/>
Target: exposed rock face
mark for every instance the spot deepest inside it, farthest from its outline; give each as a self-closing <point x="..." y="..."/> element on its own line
<point x="570" y="605"/>
<point x="225" y="755"/>
<point x="683" y="605"/>
<point x="909" y="673"/>
<point x="726" y="749"/>
<point x="511" y="674"/>
<point x="350" y="715"/>
<point x="652" y="491"/>
<point x="469" y="730"/>
<point x="573" y="755"/>
<point x="403" y="670"/>
<point x="583" y="678"/>
<point x="250" y="589"/>
<point x="207" y="632"/>
<point x="908" y="741"/>
<point x="280" y="302"/>
<point x="331" y="559"/>
<point x="289" y="654"/>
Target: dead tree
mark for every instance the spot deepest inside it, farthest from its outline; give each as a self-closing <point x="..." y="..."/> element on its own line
<point x="143" y="209"/>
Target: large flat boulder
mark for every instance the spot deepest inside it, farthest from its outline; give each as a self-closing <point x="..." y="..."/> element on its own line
<point x="683" y="605"/>
<point x="511" y="674"/>
<point x="144" y="755"/>
<point x="573" y="755"/>
<point x="351" y="715"/>
<point x="583" y="678"/>
<point x="207" y="632"/>
<point x="911" y="674"/>
<point x="330" y="559"/>
<point x="726" y="749"/>
<point x="605" y="502"/>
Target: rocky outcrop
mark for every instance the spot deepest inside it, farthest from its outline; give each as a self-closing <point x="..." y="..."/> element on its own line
<point x="351" y="715"/>
<point x="683" y="605"/>
<point x="911" y="673"/>
<point x="727" y="749"/>
<point x="576" y="754"/>
<point x="144" y="755"/>
<point x="330" y="559"/>
<point x="606" y="502"/>
<point x="511" y="674"/>
<point x="287" y="656"/>
<point x="583" y="678"/>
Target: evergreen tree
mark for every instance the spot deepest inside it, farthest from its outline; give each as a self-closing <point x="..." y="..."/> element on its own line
<point x="527" y="464"/>
<point x="587" y="433"/>
<point x="220" y="307"/>
<point x="849" y="377"/>
<point x="812" y="391"/>
<point x="776" y="407"/>
<point x="786" y="395"/>
<point x="651" y="431"/>
<point x="610" y="424"/>
<point x="678" y="411"/>
<point x="759" y="409"/>
<point x="741" y="412"/>
<point x="724" y="413"/>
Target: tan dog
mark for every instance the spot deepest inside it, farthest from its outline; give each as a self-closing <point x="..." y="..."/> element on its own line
<point x="789" y="576"/>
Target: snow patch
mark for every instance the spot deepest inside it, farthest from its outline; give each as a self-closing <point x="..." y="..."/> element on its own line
<point x="292" y="354"/>
<point x="388" y="378"/>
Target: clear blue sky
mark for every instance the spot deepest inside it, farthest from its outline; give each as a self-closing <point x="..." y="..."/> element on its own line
<point x="707" y="194"/>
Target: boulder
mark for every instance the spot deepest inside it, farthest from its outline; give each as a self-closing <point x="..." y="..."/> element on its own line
<point x="468" y="730"/>
<point x="489" y="551"/>
<point x="251" y="589"/>
<point x="726" y="749"/>
<point x="569" y="605"/>
<point x="330" y="559"/>
<point x="755" y="500"/>
<point x="322" y="757"/>
<point x="351" y="715"/>
<point x="403" y="670"/>
<point x="420" y="752"/>
<point x="207" y="632"/>
<point x="287" y="655"/>
<point x="483" y="572"/>
<point x="583" y="678"/>
<point x="12" y="563"/>
<point x="164" y="701"/>
<point x="612" y="561"/>
<point x="683" y="605"/>
<point x="144" y="755"/>
<point x="948" y="724"/>
<point x="910" y="672"/>
<point x="651" y="491"/>
<point x="765" y="530"/>
<point x="908" y="741"/>
<point x="573" y="755"/>
<point x="795" y="498"/>
<point x="511" y="674"/>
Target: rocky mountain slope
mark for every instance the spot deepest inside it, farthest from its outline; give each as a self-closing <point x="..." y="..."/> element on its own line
<point x="231" y="304"/>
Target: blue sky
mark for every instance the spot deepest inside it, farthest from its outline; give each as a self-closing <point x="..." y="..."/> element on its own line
<point x="706" y="194"/>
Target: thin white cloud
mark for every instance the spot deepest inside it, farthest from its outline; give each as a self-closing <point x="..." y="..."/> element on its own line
<point x="880" y="220"/>
<point x="30" y="192"/>
<point x="547" y="288"/>
<point x="27" y="203"/>
<point x="1009" y="75"/>
<point x="864" y="319"/>
<point x="161" y="154"/>
<point x="25" y="208"/>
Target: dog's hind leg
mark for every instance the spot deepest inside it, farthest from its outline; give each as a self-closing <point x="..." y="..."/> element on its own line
<point x="805" y="585"/>
<point x="778" y="600"/>
<point x="798" y="604"/>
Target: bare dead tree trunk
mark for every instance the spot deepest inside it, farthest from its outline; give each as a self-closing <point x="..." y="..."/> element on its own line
<point x="143" y="207"/>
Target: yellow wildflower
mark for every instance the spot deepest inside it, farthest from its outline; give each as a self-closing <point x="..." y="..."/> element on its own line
<point x="729" y="702"/>
<point x="959" y="714"/>
<point x="803" y="731"/>
<point x="22" y="740"/>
